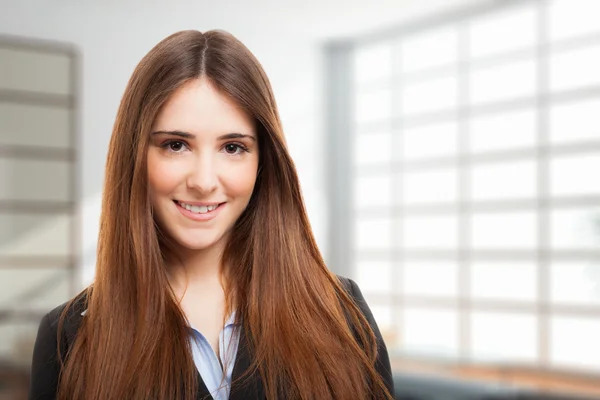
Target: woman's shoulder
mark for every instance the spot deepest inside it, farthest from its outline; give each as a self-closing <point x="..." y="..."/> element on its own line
<point x="383" y="359"/>
<point x="73" y="310"/>
<point x="351" y="287"/>
<point x="355" y="293"/>
<point x="46" y="360"/>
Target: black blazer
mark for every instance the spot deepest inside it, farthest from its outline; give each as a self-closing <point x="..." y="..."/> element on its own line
<point x="46" y="368"/>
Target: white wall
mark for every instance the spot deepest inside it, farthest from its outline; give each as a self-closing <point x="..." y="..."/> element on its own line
<point x="286" y="37"/>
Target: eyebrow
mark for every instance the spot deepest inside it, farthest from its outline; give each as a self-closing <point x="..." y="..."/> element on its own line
<point x="186" y="135"/>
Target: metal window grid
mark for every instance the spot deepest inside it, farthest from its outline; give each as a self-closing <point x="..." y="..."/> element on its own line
<point x="342" y="173"/>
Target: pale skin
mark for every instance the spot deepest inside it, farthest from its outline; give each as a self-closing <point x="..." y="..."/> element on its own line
<point x="204" y="153"/>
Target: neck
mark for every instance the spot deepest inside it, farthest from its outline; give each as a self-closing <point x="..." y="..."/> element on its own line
<point x="195" y="267"/>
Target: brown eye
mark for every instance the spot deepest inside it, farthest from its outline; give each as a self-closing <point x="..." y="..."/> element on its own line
<point x="231" y="148"/>
<point x="176" y="146"/>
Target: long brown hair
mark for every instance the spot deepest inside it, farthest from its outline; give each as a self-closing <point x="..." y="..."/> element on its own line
<point x="308" y="338"/>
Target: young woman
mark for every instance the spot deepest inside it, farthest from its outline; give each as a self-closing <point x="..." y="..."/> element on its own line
<point x="209" y="283"/>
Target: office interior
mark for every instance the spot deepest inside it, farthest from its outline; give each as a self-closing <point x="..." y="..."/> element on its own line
<point x="448" y="152"/>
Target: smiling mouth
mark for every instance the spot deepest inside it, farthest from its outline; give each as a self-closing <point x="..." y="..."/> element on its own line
<point x="202" y="209"/>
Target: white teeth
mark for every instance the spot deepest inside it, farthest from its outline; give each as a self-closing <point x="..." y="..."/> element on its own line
<point x="198" y="209"/>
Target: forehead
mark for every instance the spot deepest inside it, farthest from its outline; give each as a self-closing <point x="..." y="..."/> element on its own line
<point x="198" y="107"/>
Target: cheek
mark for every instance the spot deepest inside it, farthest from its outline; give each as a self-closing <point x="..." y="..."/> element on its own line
<point x="240" y="182"/>
<point x="162" y="177"/>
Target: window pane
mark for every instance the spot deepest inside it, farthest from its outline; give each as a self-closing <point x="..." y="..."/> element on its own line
<point x="575" y="175"/>
<point x="571" y="122"/>
<point x="36" y="72"/>
<point x="575" y="68"/>
<point x="373" y="62"/>
<point x="373" y="234"/>
<point x="373" y="191"/>
<point x="34" y="234"/>
<point x="433" y="95"/>
<point x="504" y="230"/>
<point x="573" y="18"/>
<point x="374" y="276"/>
<point x="418" y="278"/>
<point x="35" y="180"/>
<point x="503" y="180"/>
<point x="577" y="228"/>
<point x="503" y="31"/>
<point x="431" y="140"/>
<point x="431" y="49"/>
<point x="503" y="82"/>
<point x="430" y="186"/>
<point x="33" y="288"/>
<point x="575" y="342"/>
<point x="503" y="131"/>
<point x="504" y="337"/>
<point x="28" y="125"/>
<point x="382" y="315"/>
<point x="504" y="281"/>
<point x="430" y="232"/>
<point x="373" y="148"/>
<point x="575" y="282"/>
<point x="421" y="332"/>
<point x="373" y="106"/>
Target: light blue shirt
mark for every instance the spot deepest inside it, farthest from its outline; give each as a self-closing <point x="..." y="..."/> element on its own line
<point x="210" y="367"/>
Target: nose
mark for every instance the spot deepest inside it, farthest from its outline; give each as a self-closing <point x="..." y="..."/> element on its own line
<point x="202" y="175"/>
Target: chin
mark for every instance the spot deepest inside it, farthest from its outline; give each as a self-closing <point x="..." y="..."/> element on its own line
<point x="198" y="245"/>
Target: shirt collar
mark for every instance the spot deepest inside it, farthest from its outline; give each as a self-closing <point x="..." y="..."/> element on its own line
<point x="231" y="320"/>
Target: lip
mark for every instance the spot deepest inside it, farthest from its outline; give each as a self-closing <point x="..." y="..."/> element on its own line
<point x="200" y="217"/>
<point x="198" y="203"/>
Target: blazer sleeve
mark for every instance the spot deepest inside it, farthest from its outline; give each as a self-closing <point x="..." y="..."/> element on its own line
<point x="45" y="366"/>
<point x="382" y="365"/>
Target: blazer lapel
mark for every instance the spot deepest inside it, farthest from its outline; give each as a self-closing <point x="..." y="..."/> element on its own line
<point x="202" y="393"/>
<point x="250" y="386"/>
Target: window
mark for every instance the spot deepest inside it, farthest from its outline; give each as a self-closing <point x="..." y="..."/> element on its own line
<point x="37" y="189"/>
<point x="473" y="182"/>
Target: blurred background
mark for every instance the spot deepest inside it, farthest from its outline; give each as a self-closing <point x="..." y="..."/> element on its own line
<point x="448" y="151"/>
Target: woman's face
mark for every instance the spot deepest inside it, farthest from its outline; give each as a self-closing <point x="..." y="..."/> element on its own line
<point x="202" y="165"/>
